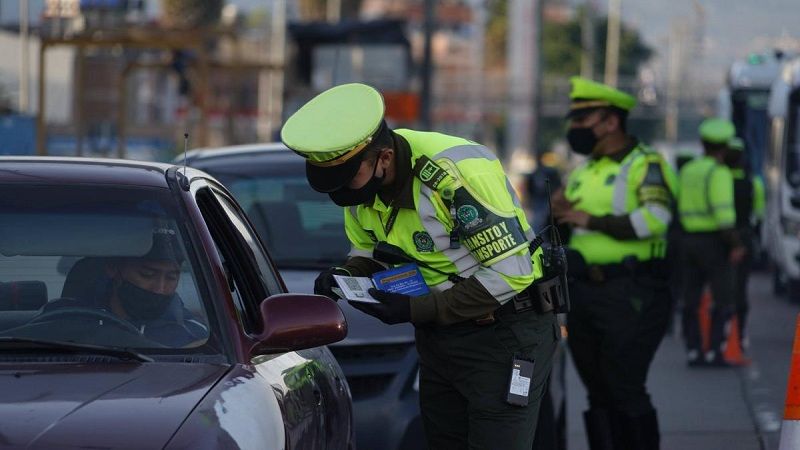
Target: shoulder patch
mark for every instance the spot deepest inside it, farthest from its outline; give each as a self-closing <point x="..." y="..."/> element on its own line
<point x="654" y="175"/>
<point x="430" y="173"/>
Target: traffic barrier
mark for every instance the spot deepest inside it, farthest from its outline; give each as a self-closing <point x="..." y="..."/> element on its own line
<point x="790" y="430"/>
<point x="733" y="352"/>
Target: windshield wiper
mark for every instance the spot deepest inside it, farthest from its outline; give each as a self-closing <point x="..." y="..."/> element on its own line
<point x="15" y="343"/>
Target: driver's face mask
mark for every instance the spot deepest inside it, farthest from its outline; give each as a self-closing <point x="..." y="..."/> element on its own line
<point x="140" y="304"/>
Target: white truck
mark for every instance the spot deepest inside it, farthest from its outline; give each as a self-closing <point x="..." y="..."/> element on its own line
<point x="781" y="230"/>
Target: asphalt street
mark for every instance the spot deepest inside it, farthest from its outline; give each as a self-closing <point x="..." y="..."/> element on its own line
<point x="712" y="408"/>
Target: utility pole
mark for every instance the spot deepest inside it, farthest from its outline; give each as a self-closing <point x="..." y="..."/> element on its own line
<point x="24" y="58"/>
<point x="426" y="95"/>
<point x="523" y="62"/>
<point x="587" y="40"/>
<point x="612" y="42"/>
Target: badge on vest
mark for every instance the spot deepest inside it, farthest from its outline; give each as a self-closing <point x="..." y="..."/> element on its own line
<point x="423" y="241"/>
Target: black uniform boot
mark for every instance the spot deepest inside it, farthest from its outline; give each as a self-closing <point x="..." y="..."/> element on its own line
<point x="598" y="429"/>
<point x="641" y="432"/>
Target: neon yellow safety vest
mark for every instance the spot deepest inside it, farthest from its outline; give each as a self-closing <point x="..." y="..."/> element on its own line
<point x="461" y="194"/>
<point x="642" y="186"/>
<point x="705" y="202"/>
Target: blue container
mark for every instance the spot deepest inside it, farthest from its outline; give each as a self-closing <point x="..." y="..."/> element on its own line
<point x="17" y="135"/>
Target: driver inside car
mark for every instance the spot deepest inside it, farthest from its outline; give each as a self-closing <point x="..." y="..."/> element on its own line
<point x="142" y="291"/>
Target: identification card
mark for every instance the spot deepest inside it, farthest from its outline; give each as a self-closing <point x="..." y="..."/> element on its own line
<point x="405" y="279"/>
<point x="520" y="381"/>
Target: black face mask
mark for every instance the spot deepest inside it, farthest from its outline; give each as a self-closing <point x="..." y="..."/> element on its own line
<point x="582" y="140"/>
<point x="733" y="160"/>
<point x="362" y="196"/>
<point x="140" y="304"/>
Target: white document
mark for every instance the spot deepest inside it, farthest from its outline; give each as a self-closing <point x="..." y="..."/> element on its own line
<point x="355" y="288"/>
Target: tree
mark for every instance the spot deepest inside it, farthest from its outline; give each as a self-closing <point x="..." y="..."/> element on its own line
<point x="191" y="13"/>
<point x="561" y="48"/>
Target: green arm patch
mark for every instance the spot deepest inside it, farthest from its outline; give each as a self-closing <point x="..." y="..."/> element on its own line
<point x="488" y="236"/>
<point x="654" y="188"/>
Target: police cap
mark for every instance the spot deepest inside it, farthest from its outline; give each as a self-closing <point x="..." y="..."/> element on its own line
<point x="587" y="96"/>
<point x="736" y="143"/>
<point x="716" y="130"/>
<point x="333" y="132"/>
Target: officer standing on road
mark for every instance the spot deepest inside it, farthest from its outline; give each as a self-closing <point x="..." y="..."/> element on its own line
<point x="447" y="202"/>
<point x="749" y="203"/>
<point x="618" y="205"/>
<point x="710" y="243"/>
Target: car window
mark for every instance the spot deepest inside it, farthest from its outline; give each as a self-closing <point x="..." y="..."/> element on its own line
<point x="247" y="267"/>
<point x="301" y="227"/>
<point x="106" y="267"/>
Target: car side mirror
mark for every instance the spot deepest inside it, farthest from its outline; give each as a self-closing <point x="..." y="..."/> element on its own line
<point x="299" y="321"/>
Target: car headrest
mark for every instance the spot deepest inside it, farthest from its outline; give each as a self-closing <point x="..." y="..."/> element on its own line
<point x="22" y="295"/>
<point x="83" y="277"/>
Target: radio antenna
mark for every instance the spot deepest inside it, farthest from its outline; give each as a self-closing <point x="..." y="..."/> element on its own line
<point x="554" y="237"/>
<point x="185" y="150"/>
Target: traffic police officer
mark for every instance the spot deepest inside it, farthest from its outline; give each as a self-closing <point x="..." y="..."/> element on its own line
<point x="710" y="242"/>
<point x="749" y="203"/>
<point x="446" y="202"/>
<point x="618" y="204"/>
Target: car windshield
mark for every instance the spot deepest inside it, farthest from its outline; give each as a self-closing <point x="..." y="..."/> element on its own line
<point x="300" y="227"/>
<point x="100" y="266"/>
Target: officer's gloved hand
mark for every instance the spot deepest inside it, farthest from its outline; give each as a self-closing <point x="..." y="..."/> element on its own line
<point x="392" y="309"/>
<point x="325" y="281"/>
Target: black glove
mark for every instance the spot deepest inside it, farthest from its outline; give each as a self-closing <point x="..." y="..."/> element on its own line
<point x="325" y="281"/>
<point x="392" y="309"/>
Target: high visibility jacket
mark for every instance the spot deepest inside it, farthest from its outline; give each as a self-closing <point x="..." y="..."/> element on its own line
<point x="641" y="186"/>
<point x="461" y="196"/>
<point x="705" y="202"/>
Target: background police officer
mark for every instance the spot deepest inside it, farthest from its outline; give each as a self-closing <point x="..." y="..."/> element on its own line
<point x="710" y="244"/>
<point x="618" y="204"/>
<point x="749" y="203"/>
<point x="446" y="202"/>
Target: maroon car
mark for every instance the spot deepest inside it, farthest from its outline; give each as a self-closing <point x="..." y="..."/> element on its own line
<point x="138" y="309"/>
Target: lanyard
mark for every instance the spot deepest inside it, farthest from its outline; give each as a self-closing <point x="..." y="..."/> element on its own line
<point x="387" y="228"/>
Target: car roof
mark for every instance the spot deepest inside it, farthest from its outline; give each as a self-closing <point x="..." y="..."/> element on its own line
<point x="207" y="153"/>
<point x="76" y="170"/>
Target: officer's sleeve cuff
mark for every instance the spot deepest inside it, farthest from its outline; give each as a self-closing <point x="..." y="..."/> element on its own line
<point x="423" y="309"/>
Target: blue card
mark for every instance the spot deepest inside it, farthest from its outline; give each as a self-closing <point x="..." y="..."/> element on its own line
<point x="405" y="279"/>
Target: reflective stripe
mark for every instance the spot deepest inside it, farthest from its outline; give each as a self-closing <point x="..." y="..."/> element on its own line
<point x="495" y="284"/>
<point x="459" y="257"/>
<point x="358" y="252"/>
<point x="514" y="265"/>
<point x="639" y="224"/>
<point x="462" y="152"/>
<point x="513" y="194"/>
<point x="621" y="186"/>
<point x="661" y="213"/>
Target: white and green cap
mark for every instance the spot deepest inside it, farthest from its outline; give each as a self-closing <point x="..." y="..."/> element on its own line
<point x="332" y="131"/>
<point x="716" y="130"/>
<point x="736" y="143"/>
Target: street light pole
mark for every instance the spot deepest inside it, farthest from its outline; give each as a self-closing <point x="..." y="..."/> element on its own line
<point x="612" y="42"/>
<point x="426" y="95"/>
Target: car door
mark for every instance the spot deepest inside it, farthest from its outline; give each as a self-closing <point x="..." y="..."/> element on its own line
<point x="308" y="384"/>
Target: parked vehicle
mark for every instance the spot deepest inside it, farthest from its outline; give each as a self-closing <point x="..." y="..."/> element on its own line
<point x="781" y="231"/>
<point x="380" y="361"/>
<point x="83" y="366"/>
